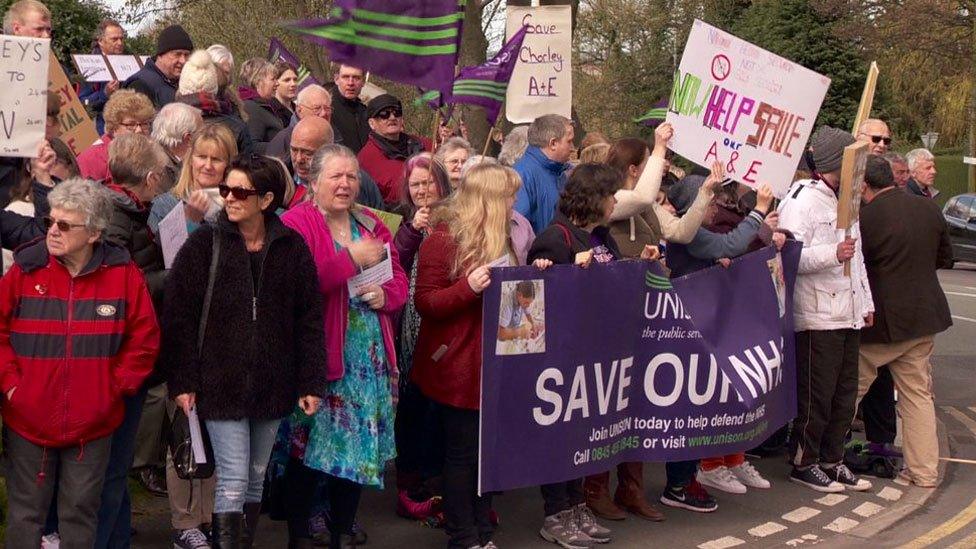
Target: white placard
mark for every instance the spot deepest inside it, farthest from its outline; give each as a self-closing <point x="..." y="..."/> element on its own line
<point x="92" y="67"/>
<point x="744" y="106"/>
<point x="196" y="438"/>
<point x="124" y="66"/>
<point x="377" y="275"/>
<point x="173" y="233"/>
<point x="23" y="94"/>
<point x="542" y="82"/>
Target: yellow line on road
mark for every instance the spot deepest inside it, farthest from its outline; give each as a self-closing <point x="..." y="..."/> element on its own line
<point x="968" y="543"/>
<point x="947" y="528"/>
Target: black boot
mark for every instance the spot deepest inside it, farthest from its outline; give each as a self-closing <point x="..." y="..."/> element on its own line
<point x="227" y="530"/>
<point x="252" y="512"/>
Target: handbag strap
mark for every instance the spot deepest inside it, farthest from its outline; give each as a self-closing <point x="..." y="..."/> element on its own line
<point x="214" y="257"/>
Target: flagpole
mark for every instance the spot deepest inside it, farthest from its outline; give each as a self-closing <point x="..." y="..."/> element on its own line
<point x="437" y="124"/>
<point x="484" y="152"/>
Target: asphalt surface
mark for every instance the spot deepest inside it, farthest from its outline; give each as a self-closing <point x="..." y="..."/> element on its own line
<point x="889" y="515"/>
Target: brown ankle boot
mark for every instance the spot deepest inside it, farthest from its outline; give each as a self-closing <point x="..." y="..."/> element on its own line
<point x="597" y="491"/>
<point x="630" y="492"/>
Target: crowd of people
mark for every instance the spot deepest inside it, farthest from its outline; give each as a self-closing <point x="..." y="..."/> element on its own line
<point x="309" y="387"/>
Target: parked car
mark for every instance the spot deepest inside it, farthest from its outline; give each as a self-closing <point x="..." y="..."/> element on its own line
<point x="960" y="216"/>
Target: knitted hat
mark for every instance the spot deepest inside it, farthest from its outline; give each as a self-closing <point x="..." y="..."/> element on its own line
<point x="199" y="75"/>
<point x="827" y="146"/>
<point x="682" y="194"/>
<point x="172" y="38"/>
<point x="381" y="102"/>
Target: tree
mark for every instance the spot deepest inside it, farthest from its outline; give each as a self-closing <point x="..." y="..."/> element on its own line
<point x="73" y="23"/>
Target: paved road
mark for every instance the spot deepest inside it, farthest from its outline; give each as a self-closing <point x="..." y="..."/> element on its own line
<point x="889" y="515"/>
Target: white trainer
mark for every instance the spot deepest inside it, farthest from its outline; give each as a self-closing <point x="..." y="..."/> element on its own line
<point x="721" y="478"/>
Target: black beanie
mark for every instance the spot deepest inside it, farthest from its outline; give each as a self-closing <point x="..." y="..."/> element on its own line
<point x="172" y="38"/>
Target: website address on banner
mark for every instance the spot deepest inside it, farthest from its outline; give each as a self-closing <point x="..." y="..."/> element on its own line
<point x="728" y="438"/>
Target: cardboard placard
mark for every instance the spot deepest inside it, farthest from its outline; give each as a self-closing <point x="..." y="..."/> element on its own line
<point x="851" y="183"/>
<point x="96" y="68"/>
<point x="542" y="82"/>
<point x="77" y="129"/>
<point x="867" y="98"/>
<point x="23" y="94"/>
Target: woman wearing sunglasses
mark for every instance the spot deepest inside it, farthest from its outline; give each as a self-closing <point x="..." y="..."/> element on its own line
<point x="262" y="346"/>
<point x="351" y="438"/>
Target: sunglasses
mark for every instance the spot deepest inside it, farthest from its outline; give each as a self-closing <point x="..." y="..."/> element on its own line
<point x="390" y="113"/>
<point x="63" y="226"/>
<point x="878" y="139"/>
<point x="240" y="193"/>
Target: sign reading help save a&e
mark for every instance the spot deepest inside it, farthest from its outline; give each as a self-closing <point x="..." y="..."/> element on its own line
<point x="739" y="104"/>
<point x="23" y="94"/>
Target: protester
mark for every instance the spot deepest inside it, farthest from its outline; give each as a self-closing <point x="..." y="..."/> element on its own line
<point x="921" y="165"/>
<point x="287" y="91"/>
<point x="351" y="437"/>
<point x="902" y="336"/>
<point x="876" y="133"/>
<point x="899" y="167"/>
<point x="579" y="235"/>
<point x="543" y="168"/>
<point x="349" y="114"/>
<point x="159" y="78"/>
<point x="173" y="128"/>
<point x="389" y="146"/>
<point x="242" y="391"/>
<point x="224" y="59"/>
<point x="829" y="311"/>
<point x="73" y="265"/>
<point x="594" y="138"/>
<point x="470" y="232"/>
<point x="313" y="100"/>
<point x="452" y="154"/>
<point x="126" y="112"/>
<point x="27" y="18"/>
<point x="259" y="84"/>
<point x="199" y="86"/>
<point x="109" y="40"/>
<point x="594" y="154"/>
<point x="514" y="146"/>
<point x="425" y="184"/>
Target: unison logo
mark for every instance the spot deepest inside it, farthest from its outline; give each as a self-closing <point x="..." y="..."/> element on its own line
<point x="656" y="281"/>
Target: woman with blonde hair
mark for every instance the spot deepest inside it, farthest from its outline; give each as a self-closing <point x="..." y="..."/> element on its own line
<point x="470" y="232"/>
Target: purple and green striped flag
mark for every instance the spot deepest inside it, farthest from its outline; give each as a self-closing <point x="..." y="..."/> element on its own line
<point x="655" y="116"/>
<point x="411" y="41"/>
<point x="277" y="51"/>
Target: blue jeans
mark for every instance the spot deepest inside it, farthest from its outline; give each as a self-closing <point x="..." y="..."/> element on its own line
<point x="115" y="512"/>
<point x="242" y="449"/>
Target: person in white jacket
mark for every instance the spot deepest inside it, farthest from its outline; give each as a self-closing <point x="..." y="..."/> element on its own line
<point x="829" y="311"/>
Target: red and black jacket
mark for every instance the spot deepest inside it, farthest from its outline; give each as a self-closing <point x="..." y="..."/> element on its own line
<point x="73" y="346"/>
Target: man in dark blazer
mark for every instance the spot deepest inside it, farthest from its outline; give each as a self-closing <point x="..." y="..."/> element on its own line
<point x="905" y="241"/>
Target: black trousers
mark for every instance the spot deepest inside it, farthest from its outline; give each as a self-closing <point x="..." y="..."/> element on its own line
<point x="419" y="440"/>
<point x="302" y="484"/>
<point x="826" y="372"/>
<point x="878" y="409"/>
<point x="561" y="496"/>
<point x="468" y="523"/>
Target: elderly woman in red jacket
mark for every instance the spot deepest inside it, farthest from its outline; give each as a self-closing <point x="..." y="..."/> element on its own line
<point x="77" y="333"/>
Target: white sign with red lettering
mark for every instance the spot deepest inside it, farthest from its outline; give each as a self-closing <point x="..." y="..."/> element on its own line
<point x="542" y="82"/>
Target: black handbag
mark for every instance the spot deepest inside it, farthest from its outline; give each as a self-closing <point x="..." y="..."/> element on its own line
<point x="180" y="445"/>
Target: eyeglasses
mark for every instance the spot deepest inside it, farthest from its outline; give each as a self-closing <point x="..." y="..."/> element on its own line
<point x="389" y="113"/>
<point x="320" y="110"/>
<point x="62" y="225"/>
<point x="147" y="125"/>
<point x="240" y="193"/>
<point x="879" y="138"/>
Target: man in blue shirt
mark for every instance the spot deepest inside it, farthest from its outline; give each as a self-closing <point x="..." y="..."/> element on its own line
<point x="543" y="169"/>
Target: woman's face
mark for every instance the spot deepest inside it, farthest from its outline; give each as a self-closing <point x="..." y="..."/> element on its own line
<point x="338" y="185"/>
<point x="207" y="164"/>
<point x="423" y="190"/>
<point x="266" y="85"/>
<point x="607" y="208"/>
<point x="288" y="86"/>
<point x="636" y="171"/>
<point x="454" y="162"/>
<point x="243" y="209"/>
<point x="73" y="240"/>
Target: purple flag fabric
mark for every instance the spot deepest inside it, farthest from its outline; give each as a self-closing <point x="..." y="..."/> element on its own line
<point x="617" y="366"/>
<point x="485" y="85"/>
<point x="411" y="41"/>
<point x="278" y="51"/>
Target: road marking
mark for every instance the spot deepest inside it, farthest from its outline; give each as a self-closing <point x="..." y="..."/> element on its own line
<point x="961" y="417"/>
<point x="801" y="514"/>
<point x="767" y="529"/>
<point x="803" y="539"/>
<point x="722" y="543"/>
<point x="966" y="318"/>
<point x="947" y="528"/>
<point x="867" y="509"/>
<point x="841" y="525"/>
<point x="889" y="493"/>
<point x="962" y="287"/>
<point x="960" y="294"/>
<point x="831" y="499"/>
<point x="972" y="409"/>
<point x="959" y="460"/>
<point x="968" y="543"/>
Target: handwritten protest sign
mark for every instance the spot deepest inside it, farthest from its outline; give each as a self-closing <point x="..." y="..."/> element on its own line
<point x="77" y="130"/>
<point x="105" y="68"/>
<point x="23" y="94"/>
<point x="542" y="82"/>
<point x="744" y="106"/>
<point x="125" y="66"/>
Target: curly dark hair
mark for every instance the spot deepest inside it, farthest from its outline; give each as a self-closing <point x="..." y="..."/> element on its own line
<point x="588" y="186"/>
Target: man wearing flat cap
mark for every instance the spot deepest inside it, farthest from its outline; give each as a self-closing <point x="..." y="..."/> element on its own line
<point x="829" y="311"/>
<point x="160" y="76"/>
<point x="388" y="146"/>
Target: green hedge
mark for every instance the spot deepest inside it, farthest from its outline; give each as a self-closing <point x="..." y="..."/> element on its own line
<point x="952" y="178"/>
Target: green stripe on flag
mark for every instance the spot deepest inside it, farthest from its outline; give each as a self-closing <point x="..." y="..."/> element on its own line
<point x="404" y="33"/>
<point x="479" y="93"/>
<point x="342" y="33"/>
<point x="427" y="97"/>
<point x="482" y="83"/>
<point x="407" y="20"/>
<point x="486" y="89"/>
<point x="653" y="114"/>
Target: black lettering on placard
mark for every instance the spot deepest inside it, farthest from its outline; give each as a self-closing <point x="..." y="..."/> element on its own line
<point x="7" y="120"/>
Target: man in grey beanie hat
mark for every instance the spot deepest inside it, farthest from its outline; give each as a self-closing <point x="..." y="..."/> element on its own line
<point x="829" y="311"/>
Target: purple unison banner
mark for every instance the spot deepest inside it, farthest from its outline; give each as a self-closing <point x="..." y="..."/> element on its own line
<point x="587" y="368"/>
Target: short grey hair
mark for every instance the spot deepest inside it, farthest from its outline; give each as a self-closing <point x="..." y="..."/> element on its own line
<point x="514" y="146"/>
<point x="915" y="156"/>
<point x="18" y="10"/>
<point x="451" y="145"/>
<point x="174" y="121"/>
<point x="92" y="200"/>
<point x="476" y="159"/>
<point x="546" y="128"/>
<point x="895" y="158"/>
<point x="308" y="90"/>
<point x="326" y="154"/>
<point x="254" y="69"/>
<point x="221" y="54"/>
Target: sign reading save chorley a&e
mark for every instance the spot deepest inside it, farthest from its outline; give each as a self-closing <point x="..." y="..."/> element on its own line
<point x="744" y="106"/>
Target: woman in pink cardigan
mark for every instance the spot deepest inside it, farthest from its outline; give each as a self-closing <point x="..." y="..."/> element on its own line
<point x="350" y="439"/>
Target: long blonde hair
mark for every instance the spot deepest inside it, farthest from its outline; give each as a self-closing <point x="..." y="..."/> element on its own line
<point x="211" y="133"/>
<point x="478" y="216"/>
